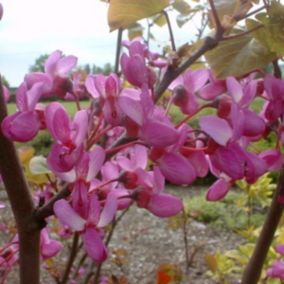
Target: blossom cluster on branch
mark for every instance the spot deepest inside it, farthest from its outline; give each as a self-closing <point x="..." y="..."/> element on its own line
<point x="121" y="149"/>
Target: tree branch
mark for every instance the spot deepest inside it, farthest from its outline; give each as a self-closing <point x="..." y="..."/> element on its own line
<point x="22" y="205"/>
<point x="253" y="270"/>
<point x="173" y="73"/>
<point x="47" y="209"/>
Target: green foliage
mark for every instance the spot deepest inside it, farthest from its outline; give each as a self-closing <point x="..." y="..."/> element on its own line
<point x="230" y="264"/>
<point x="271" y="35"/>
<point x="239" y="56"/>
<point x="38" y="65"/>
<point x="41" y="143"/>
<point x="260" y="193"/>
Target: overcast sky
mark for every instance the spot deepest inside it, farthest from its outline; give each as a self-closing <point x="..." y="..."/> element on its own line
<point x="30" y="28"/>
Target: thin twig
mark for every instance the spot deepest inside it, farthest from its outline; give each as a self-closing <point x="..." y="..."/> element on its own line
<point x="170" y="30"/>
<point x="80" y="264"/>
<point x="185" y="240"/>
<point x="73" y="253"/>
<point x="238" y="18"/>
<point x="277" y="69"/>
<point x="219" y="27"/>
<point x="243" y="33"/>
<point x="47" y="209"/>
<point x="118" y="49"/>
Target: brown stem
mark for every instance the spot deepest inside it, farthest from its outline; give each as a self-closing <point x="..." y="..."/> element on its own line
<point x="219" y="28"/>
<point x="47" y="209"/>
<point x="185" y="240"/>
<point x="238" y="18"/>
<point x="253" y="270"/>
<point x="118" y="48"/>
<point x="22" y="205"/>
<point x="73" y="253"/>
<point x="243" y="33"/>
<point x="277" y="70"/>
<point x="173" y="73"/>
<point x="170" y="30"/>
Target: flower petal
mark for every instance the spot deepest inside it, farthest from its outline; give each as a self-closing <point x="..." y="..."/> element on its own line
<point x="217" y="128"/>
<point x="218" y="190"/>
<point x="94" y="245"/>
<point x="132" y="108"/>
<point x="158" y="134"/>
<point x="109" y="211"/>
<point x="164" y="205"/>
<point x="66" y="214"/>
<point x="177" y="169"/>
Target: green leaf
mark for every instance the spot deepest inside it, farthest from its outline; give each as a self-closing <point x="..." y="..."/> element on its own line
<point x="272" y="35"/>
<point x="122" y="13"/>
<point x="236" y="57"/>
<point x="182" y="7"/>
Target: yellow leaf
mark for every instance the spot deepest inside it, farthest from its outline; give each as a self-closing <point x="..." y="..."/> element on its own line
<point x="160" y="20"/>
<point x="135" y="30"/>
<point x="25" y="154"/>
<point x="122" y="13"/>
<point x="211" y="262"/>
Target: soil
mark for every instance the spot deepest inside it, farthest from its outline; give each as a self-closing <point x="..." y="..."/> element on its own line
<point x="142" y="244"/>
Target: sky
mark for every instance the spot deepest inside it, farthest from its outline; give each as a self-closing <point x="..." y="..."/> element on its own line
<point x="30" y="28"/>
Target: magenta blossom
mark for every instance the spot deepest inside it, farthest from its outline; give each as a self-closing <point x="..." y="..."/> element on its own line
<point x="185" y="87"/>
<point x="106" y="90"/>
<point x="154" y="126"/>
<point x="91" y="226"/>
<point x="54" y="78"/>
<point x="23" y="125"/>
<point x="69" y="136"/>
<point x="48" y="247"/>
<point x="276" y="270"/>
<point x="150" y="196"/>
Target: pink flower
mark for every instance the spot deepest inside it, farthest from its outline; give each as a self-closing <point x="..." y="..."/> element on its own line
<point x="48" y="247"/>
<point x="23" y="125"/>
<point x="276" y="270"/>
<point x="134" y="65"/>
<point x="69" y="136"/>
<point x="151" y="197"/>
<point x="106" y="90"/>
<point x="218" y="190"/>
<point x="185" y="87"/>
<point x="54" y="78"/>
<point x="274" y="89"/>
<point x="154" y="126"/>
<point x="90" y="227"/>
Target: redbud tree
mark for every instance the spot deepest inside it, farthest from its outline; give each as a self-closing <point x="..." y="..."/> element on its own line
<point x="121" y="149"/>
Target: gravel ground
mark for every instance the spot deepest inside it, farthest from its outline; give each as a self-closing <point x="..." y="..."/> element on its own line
<point x="142" y="242"/>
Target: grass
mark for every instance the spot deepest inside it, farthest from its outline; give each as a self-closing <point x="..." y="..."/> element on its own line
<point x="69" y="106"/>
<point x="225" y="214"/>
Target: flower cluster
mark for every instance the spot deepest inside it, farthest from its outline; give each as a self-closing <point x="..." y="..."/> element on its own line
<point x="121" y="149"/>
